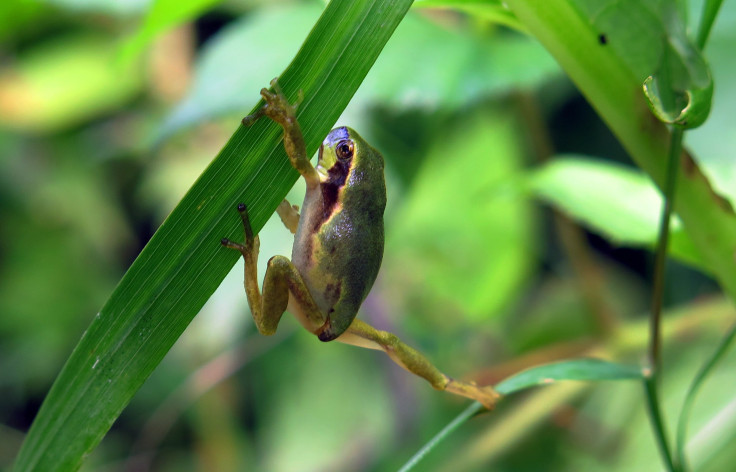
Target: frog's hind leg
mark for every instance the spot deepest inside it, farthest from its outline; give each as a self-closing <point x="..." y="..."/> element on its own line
<point x="281" y="281"/>
<point x="364" y="335"/>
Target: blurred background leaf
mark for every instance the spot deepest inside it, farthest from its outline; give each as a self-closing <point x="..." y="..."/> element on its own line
<point x="162" y="15"/>
<point x="279" y="31"/>
<point x="42" y="91"/>
<point x="271" y="36"/>
<point x="618" y="202"/>
<point x="448" y="257"/>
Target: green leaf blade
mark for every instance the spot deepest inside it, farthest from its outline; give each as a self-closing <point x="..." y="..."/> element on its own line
<point x="575" y="369"/>
<point x="184" y="263"/>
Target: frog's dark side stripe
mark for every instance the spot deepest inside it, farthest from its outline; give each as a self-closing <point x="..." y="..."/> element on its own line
<point x="336" y="177"/>
<point x="338" y="174"/>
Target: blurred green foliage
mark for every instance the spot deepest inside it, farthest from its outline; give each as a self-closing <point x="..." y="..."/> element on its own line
<point x="479" y="274"/>
<point x="627" y="198"/>
<point x="43" y="92"/>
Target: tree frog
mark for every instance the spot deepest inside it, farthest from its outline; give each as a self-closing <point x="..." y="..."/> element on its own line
<point x="338" y="247"/>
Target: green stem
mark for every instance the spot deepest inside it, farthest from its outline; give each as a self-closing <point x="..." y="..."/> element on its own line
<point x="692" y="392"/>
<point x="655" y="416"/>
<point x="468" y="413"/>
<point x="655" y="343"/>
<point x="710" y="11"/>
<point x="660" y="259"/>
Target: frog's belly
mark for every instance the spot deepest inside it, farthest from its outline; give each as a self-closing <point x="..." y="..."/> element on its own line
<point x="340" y="267"/>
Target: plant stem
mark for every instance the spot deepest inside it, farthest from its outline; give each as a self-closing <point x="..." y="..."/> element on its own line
<point x="653" y="353"/>
<point x="655" y="343"/>
<point x="710" y="10"/>
<point x="655" y="416"/>
<point x="469" y="412"/>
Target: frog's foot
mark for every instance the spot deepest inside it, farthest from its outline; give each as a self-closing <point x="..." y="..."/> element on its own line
<point x="277" y="107"/>
<point x="487" y="396"/>
<point x="250" y="246"/>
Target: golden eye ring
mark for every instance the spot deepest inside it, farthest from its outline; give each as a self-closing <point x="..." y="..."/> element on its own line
<point x="345" y="149"/>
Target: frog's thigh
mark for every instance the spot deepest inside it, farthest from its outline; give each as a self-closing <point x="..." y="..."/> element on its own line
<point x="364" y="335"/>
<point x="281" y="280"/>
<point x="289" y="215"/>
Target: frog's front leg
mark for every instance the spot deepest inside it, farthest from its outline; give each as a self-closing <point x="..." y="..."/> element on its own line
<point x="364" y="335"/>
<point x="281" y="280"/>
<point x="289" y="215"/>
<point x="279" y="109"/>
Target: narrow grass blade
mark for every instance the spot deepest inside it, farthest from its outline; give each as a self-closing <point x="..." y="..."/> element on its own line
<point x="467" y="413"/>
<point x="575" y="369"/>
<point x="692" y="392"/>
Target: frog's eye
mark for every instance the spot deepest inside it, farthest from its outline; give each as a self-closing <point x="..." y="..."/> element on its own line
<point x="344" y="149"/>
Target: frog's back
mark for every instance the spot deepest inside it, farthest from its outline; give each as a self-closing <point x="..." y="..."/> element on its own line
<point x="339" y="242"/>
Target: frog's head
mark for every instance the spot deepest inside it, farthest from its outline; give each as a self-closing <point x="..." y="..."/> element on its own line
<point x="343" y="150"/>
